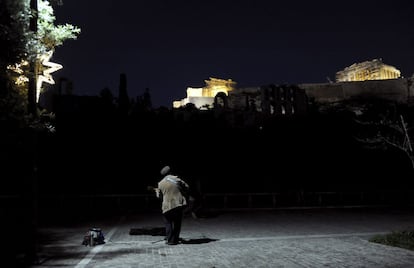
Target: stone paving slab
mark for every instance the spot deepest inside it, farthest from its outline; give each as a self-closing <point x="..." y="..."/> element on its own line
<point x="312" y="238"/>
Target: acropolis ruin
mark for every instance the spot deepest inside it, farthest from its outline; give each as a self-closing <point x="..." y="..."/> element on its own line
<point x="368" y="70"/>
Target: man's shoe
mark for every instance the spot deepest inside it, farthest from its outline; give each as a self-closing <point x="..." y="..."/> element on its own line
<point x="171" y="243"/>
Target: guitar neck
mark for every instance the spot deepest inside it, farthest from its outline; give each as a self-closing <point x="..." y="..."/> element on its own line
<point x="151" y="188"/>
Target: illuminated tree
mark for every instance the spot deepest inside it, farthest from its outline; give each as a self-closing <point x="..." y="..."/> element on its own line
<point x="15" y="40"/>
<point x="21" y="46"/>
<point x="49" y="34"/>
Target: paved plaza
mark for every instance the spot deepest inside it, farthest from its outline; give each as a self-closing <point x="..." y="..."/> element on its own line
<point x="276" y="238"/>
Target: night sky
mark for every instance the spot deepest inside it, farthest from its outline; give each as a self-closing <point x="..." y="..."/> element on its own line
<point x="167" y="46"/>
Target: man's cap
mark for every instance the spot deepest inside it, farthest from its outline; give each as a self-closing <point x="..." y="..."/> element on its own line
<point x="165" y="170"/>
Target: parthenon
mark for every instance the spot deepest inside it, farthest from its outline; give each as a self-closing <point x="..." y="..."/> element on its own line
<point x="368" y="70"/>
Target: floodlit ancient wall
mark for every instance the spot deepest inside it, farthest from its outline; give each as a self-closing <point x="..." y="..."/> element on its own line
<point x="400" y="90"/>
<point x="204" y="96"/>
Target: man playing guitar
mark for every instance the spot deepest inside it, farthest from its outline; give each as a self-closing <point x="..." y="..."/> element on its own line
<point x="173" y="192"/>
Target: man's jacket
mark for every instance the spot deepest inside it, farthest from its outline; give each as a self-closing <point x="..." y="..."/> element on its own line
<point x="171" y="190"/>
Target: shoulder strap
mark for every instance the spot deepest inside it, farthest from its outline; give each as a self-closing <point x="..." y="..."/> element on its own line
<point x="172" y="180"/>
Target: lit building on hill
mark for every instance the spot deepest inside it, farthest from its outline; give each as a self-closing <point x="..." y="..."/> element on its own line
<point x="369" y="79"/>
<point x="204" y="96"/>
<point x="368" y="70"/>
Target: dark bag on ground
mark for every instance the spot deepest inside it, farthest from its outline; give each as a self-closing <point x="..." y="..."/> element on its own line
<point x="93" y="237"/>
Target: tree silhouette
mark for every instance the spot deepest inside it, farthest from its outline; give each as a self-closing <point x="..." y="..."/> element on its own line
<point x="123" y="99"/>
